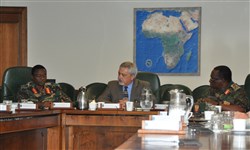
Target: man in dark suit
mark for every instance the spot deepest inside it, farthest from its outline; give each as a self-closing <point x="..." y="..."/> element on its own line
<point x="126" y="88"/>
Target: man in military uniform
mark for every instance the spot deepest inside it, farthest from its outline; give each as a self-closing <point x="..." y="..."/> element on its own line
<point x="38" y="90"/>
<point x="224" y="92"/>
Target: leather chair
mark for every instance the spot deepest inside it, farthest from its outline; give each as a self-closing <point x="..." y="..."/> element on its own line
<point x="154" y="81"/>
<point x="94" y="90"/>
<point x="13" y="78"/>
<point x="247" y="87"/>
<point x="200" y="92"/>
<point x="0" y="93"/>
<point x="162" y="89"/>
<point x="69" y="90"/>
<point x="166" y="95"/>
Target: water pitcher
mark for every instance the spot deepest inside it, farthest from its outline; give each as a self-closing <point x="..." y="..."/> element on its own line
<point x="180" y="104"/>
<point x="146" y="101"/>
<point x="81" y="99"/>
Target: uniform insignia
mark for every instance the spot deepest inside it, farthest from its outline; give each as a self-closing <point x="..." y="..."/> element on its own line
<point x="226" y="103"/>
<point x="227" y="92"/>
<point x="37" y="95"/>
<point x="235" y="86"/>
<point x="217" y="95"/>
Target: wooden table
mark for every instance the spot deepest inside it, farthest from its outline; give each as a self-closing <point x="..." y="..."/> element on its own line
<point x="101" y="129"/>
<point x="201" y="141"/>
<point x="30" y="130"/>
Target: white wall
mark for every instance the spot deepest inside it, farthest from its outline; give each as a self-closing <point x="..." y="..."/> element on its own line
<point x="81" y="42"/>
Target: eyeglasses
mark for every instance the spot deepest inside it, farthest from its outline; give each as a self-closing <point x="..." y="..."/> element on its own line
<point x="215" y="79"/>
<point x="123" y="75"/>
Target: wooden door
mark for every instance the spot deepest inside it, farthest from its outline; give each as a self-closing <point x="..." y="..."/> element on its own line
<point x="13" y="37"/>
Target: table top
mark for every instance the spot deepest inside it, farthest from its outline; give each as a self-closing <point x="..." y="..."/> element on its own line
<point x="31" y="112"/>
<point x="25" y="113"/>
<point x="109" y="112"/>
<point x="194" y="138"/>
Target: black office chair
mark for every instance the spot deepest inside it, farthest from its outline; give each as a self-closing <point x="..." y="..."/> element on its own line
<point x="166" y="95"/>
<point x="94" y="90"/>
<point x="154" y="81"/>
<point x="13" y="78"/>
<point x="69" y="90"/>
<point x="247" y="87"/>
<point x="200" y="92"/>
<point x="161" y="91"/>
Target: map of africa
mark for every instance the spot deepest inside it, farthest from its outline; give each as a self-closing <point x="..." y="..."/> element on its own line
<point x="167" y="40"/>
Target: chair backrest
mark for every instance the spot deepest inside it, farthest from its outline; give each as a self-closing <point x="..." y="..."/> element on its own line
<point x="200" y="92"/>
<point x="153" y="79"/>
<point x="94" y="90"/>
<point x="69" y="90"/>
<point x="247" y="86"/>
<point x="165" y="95"/>
<point x="162" y="89"/>
<point x="13" y="78"/>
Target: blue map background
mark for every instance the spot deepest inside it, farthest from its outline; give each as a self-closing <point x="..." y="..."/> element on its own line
<point x="149" y="50"/>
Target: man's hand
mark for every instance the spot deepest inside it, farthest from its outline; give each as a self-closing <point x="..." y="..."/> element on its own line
<point x="208" y="100"/>
<point x="123" y="103"/>
<point x="248" y="113"/>
<point x="240" y="115"/>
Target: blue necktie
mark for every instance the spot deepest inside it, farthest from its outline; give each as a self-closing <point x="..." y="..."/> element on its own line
<point x="125" y="92"/>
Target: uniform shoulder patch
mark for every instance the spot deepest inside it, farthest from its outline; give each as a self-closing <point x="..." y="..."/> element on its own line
<point x="235" y="86"/>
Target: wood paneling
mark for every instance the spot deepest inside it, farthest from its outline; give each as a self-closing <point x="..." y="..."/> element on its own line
<point x="28" y="130"/>
<point x="99" y="130"/>
<point x="13" y="37"/>
<point x="25" y="140"/>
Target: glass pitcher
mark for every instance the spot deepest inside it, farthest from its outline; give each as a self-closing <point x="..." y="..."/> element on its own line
<point x="180" y="104"/>
<point x="146" y="100"/>
<point x="81" y="99"/>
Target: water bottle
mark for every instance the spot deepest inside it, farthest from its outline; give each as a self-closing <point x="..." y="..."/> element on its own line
<point x="81" y="99"/>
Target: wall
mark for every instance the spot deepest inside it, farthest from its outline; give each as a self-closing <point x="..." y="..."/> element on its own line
<point x="81" y="42"/>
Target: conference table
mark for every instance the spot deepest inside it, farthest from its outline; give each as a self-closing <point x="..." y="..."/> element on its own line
<point x="30" y="130"/>
<point x="104" y="129"/>
<point x="67" y="129"/>
<point x="193" y="140"/>
<point x="72" y="129"/>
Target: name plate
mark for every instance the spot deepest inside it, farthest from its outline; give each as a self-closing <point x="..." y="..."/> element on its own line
<point x="111" y="105"/>
<point x="3" y="107"/>
<point x="27" y="106"/>
<point x="61" y="105"/>
<point x="161" y="106"/>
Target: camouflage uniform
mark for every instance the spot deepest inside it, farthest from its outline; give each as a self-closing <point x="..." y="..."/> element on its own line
<point x="233" y="94"/>
<point x="50" y="92"/>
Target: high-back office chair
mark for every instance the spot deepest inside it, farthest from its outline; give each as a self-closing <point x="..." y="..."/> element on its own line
<point x="161" y="91"/>
<point x="200" y="92"/>
<point x="166" y="95"/>
<point x="69" y="90"/>
<point x="154" y="81"/>
<point x="0" y="94"/>
<point x="94" y="90"/>
<point x="13" y="78"/>
<point x="247" y="87"/>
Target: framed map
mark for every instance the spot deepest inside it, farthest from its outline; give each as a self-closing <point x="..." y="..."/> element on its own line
<point x="167" y="40"/>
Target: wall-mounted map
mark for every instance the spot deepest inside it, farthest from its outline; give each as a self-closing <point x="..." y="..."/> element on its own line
<point x="167" y="40"/>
